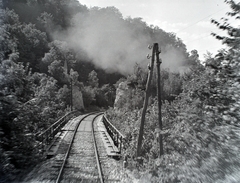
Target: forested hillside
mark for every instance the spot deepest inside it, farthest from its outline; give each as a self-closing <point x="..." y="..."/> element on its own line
<point x="201" y="134"/>
<point x="50" y="46"/>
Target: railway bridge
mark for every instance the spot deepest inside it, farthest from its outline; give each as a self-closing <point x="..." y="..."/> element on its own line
<point x="80" y="148"/>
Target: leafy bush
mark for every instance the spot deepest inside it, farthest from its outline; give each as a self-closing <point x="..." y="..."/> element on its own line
<point x="200" y="128"/>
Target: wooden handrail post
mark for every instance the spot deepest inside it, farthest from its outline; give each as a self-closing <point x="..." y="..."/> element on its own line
<point x="117" y="141"/>
<point x="52" y="130"/>
<point x="120" y="144"/>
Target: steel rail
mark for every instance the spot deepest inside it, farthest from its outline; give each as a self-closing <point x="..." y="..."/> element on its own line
<point x="70" y="146"/>
<point x="96" y="152"/>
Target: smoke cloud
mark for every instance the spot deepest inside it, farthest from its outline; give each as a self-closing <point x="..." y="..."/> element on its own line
<point x="114" y="44"/>
<point x="173" y="59"/>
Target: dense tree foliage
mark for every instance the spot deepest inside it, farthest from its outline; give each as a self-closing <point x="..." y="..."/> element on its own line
<point x="35" y="75"/>
<point x="39" y="67"/>
<point x="200" y="126"/>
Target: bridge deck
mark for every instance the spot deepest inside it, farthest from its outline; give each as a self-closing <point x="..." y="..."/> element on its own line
<point x="111" y="149"/>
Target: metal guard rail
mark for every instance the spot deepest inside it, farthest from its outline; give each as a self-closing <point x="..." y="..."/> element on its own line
<point x="116" y="136"/>
<point x="46" y="136"/>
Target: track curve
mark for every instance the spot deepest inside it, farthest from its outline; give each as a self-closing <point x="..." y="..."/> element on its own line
<point x="81" y="162"/>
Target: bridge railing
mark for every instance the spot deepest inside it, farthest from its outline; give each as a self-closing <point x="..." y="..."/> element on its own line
<point x="46" y="136"/>
<point x="114" y="133"/>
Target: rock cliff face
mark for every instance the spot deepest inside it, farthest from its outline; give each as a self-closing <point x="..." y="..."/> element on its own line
<point x="77" y="99"/>
<point x="121" y="93"/>
<point x="128" y="96"/>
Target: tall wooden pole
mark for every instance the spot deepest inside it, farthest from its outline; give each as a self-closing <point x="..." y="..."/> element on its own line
<point x="159" y="99"/>
<point x="71" y="95"/>
<point x="147" y="94"/>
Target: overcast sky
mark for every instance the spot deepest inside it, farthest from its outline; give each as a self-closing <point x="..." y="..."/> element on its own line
<point x="189" y="19"/>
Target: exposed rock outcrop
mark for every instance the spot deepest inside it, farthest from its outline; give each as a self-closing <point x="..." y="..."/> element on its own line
<point x="77" y="99"/>
<point x="121" y="93"/>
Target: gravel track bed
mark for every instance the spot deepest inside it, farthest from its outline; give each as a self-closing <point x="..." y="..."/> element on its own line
<point x="81" y="164"/>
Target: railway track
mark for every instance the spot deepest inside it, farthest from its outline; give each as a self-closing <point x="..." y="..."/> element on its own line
<point x="82" y="157"/>
<point x="78" y="158"/>
<point x="81" y="154"/>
